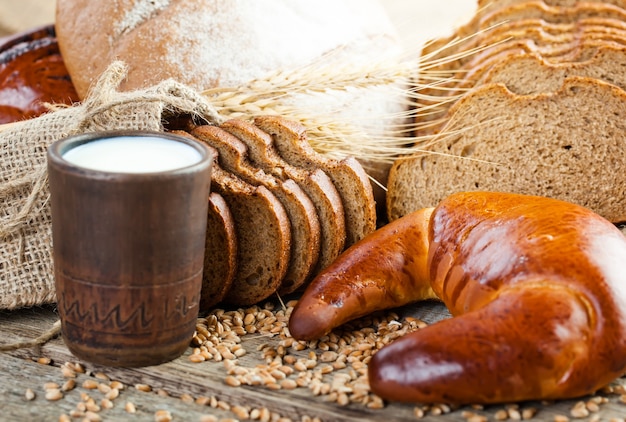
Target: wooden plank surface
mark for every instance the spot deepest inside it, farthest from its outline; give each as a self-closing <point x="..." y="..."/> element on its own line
<point x="188" y="380"/>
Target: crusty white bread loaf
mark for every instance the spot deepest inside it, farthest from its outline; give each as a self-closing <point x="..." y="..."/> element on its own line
<point x="347" y="175"/>
<point x="303" y="218"/>
<point x="487" y="5"/>
<point x="315" y="183"/>
<point x="566" y="145"/>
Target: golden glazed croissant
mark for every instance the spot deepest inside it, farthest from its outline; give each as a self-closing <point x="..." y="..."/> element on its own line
<point x="536" y="287"/>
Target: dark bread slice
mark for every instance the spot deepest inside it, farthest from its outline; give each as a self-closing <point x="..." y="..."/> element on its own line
<point x="305" y="224"/>
<point x="263" y="237"/>
<point x="566" y="145"/>
<point x="315" y="183"/>
<point x="347" y="174"/>
<point x="220" y="259"/>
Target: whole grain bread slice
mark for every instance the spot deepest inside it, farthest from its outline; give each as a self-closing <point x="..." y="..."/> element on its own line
<point x="305" y="224"/>
<point x="490" y="5"/>
<point x="347" y="174"/>
<point x="579" y="49"/>
<point x="530" y="74"/>
<point x="488" y="18"/>
<point x="314" y="182"/>
<point x="567" y="144"/>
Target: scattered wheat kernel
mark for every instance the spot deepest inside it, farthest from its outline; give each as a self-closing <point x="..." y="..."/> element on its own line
<point x="106" y="403"/>
<point x="592" y="406"/>
<point x="418" y="412"/>
<point x="623" y="398"/>
<point x="515" y="414"/>
<point x="92" y="416"/>
<point x="500" y="415"/>
<point x="594" y="418"/>
<point x="50" y="386"/>
<point x="187" y="398"/>
<point x="223" y="405"/>
<point x="240" y="412"/>
<point x="232" y="381"/>
<point x="54" y="394"/>
<point x="143" y="387"/>
<point x="75" y="413"/>
<point x="92" y="406"/>
<point x="130" y="407"/>
<point x="208" y="418"/>
<point x="113" y="394"/>
<point x="69" y="385"/>
<point x="64" y="418"/>
<point x="288" y="384"/>
<point x="81" y="407"/>
<point x="477" y="418"/>
<point x="90" y="384"/>
<point x="102" y="376"/>
<point x="196" y="358"/>
<point x="561" y="418"/>
<point x="162" y="416"/>
<point x="529" y="413"/>
<point x="162" y="393"/>
<point x="44" y="361"/>
<point x="68" y="372"/>
<point x="29" y="394"/>
<point x="579" y="410"/>
<point x="103" y="388"/>
<point x="117" y="385"/>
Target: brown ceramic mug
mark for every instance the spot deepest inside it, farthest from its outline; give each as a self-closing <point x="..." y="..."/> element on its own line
<point x="128" y="243"/>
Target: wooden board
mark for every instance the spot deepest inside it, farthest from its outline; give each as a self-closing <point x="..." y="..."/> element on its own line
<point x="184" y="379"/>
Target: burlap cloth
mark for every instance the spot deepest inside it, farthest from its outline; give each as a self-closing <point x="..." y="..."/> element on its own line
<point x="26" y="267"/>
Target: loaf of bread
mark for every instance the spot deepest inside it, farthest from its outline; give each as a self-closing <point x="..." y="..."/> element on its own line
<point x="565" y="144"/>
<point x="258" y="213"/>
<point x="347" y="175"/>
<point x="303" y="218"/>
<point x="314" y="182"/>
<point x="536" y="111"/>
<point x="538" y="302"/>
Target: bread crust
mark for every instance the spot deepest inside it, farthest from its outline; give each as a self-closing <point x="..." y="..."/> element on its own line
<point x="208" y="43"/>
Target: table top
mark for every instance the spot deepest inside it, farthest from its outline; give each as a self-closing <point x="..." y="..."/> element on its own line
<point x="191" y="391"/>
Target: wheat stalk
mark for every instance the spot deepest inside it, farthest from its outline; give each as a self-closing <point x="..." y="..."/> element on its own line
<point x="412" y="81"/>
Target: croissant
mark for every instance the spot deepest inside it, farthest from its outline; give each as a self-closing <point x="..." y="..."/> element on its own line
<point x="536" y="288"/>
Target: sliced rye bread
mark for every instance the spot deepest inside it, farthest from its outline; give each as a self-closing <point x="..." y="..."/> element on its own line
<point x="220" y="258"/>
<point x="263" y="237"/>
<point x="347" y="174"/>
<point x="530" y="74"/>
<point x="566" y="144"/>
<point x="315" y="183"/>
<point x="579" y="49"/>
<point x="490" y="5"/>
<point x="305" y="224"/>
<point x="485" y="20"/>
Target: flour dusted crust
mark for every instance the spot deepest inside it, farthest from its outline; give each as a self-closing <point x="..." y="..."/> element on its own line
<point x="206" y="43"/>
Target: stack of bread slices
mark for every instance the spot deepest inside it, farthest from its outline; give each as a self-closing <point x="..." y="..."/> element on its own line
<point x="279" y="212"/>
<point x="536" y="106"/>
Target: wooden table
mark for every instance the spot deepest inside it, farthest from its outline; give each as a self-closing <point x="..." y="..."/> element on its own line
<point x="191" y="387"/>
